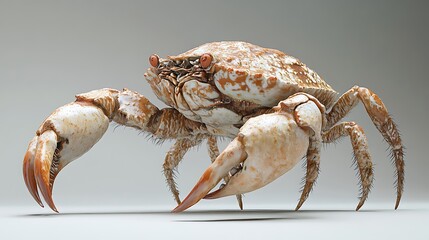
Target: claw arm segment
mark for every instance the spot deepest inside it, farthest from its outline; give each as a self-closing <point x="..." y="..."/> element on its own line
<point x="381" y="119"/>
<point x="132" y="109"/>
<point x="360" y="151"/>
<point x="125" y="107"/>
<point x="233" y="155"/>
<point x="73" y="129"/>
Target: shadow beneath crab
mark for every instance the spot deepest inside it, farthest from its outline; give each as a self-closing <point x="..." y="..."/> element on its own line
<point x="252" y="214"/>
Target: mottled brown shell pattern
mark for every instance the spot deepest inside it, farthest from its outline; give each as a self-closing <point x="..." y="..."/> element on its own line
<point x="264" y="76"/>
<point x="241" y="80"/>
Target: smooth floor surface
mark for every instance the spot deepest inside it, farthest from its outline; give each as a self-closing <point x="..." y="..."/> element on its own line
<point x="257" y="222"/>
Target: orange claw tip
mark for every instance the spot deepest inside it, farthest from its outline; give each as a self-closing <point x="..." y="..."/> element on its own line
<point x="46" y="146"/>
<point x="213" y="195"/>
<point x="203" y="186"/>
<point x="45" y="187"/>
<point x="188" y="202"/>
<point x="28" y="171"/>
<point x="46" y="191"/>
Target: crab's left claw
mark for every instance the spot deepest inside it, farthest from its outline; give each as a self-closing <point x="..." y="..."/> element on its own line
<point x="266" y="147"/>
<point x="65" y="135"/>
<point x="28" y="170"/>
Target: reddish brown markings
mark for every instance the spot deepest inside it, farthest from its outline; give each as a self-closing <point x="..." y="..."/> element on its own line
<point x="300" y="71"/>
<point x="47" y="125"/>
<point x="208" y="89"/>
<point x="377" y="111"/>
<point x="240" y="72"/>
<point x="206" y="176"/>
<point x="258" y="82"/>
<point x="201" y="91"/>
<point x="272" y="81"/>
<point x="81" y="103"/>
<point x="240" y="80"/>
<point x="146" y="106"/>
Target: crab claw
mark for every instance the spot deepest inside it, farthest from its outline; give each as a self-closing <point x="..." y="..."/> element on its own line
<point x="267" y="146"/>
<point x="28" y="171"/>
<point x="64" y="136"/>
<point x="44" y="170"/>
<point x="233" y="155"/>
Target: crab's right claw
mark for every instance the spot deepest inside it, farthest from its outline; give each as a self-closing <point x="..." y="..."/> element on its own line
<point x="232" y="156"/>
<point x="64" y="136"/>
<point x="266" y="147"/>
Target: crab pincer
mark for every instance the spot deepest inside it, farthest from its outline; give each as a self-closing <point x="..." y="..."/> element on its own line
<point x="266" y="147"/>
<point x="64" y="136"/>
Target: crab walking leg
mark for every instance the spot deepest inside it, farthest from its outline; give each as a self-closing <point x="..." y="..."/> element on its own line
<point x="313" y="162"/>
<point x="309" y="114"/>
<point x="172" y="160"/>
<point x="214" y="153"/>
<point x="381" y="119"/>
<point x="71" y="130"/>
<point x="360" y="151"/>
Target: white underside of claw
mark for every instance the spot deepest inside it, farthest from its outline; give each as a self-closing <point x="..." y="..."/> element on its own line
<point x="79" y="126"/>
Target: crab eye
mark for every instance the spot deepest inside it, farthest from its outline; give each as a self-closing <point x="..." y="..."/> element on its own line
<point x="205" y="60"/>
<point x="154" y="60"/>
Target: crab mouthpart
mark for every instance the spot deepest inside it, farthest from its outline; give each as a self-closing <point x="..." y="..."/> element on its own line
<point x="178" y="71"/>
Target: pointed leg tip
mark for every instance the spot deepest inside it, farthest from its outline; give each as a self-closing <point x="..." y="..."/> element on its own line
<point x="298" y="206"/>
<point x="398" y="200"/>
<point x="240" y="205"/>
<point x="358" y="207"/>
<point x="396" y="206"/>
<point x="240" y="201"/>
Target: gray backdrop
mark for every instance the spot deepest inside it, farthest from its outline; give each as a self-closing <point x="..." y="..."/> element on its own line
<point x="51" y="50"/>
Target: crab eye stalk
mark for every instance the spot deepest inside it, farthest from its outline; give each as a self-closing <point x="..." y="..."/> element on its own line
<point x="205" y="60"/>
<point x="154" y="60"/>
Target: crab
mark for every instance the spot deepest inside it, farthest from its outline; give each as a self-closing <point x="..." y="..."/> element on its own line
<point x="275" y="109"/>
